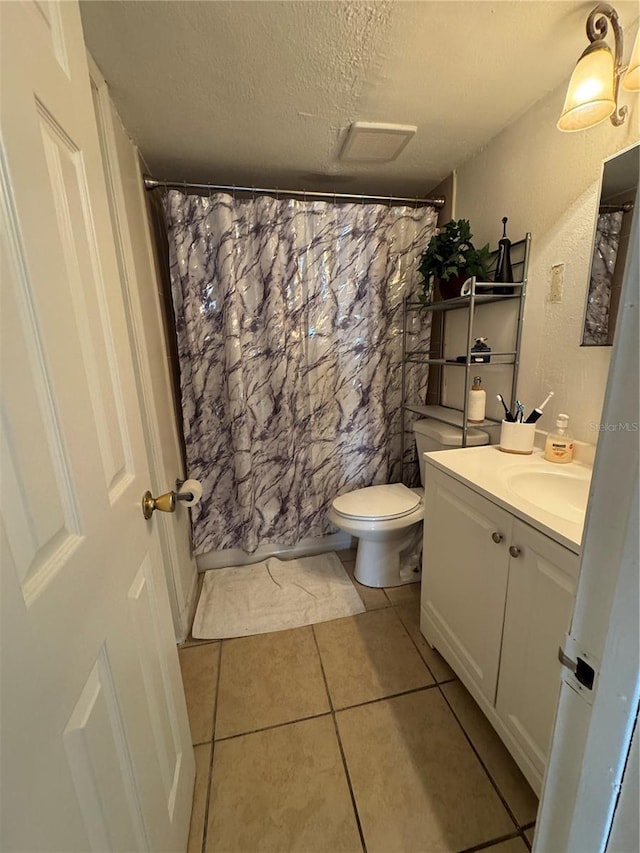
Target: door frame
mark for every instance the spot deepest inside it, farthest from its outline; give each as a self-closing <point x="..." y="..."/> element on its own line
<point x="182" y="599"/>
<point x="593" y="733"/>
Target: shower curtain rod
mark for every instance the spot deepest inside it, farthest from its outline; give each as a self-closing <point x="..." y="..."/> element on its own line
<point x="625" y="207"/>
<point x="154" y="184"/>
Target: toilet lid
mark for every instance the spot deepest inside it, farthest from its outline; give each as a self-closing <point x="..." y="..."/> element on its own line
<point x="392" y="501"/>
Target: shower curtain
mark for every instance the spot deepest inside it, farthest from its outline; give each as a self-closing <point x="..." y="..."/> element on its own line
<point x="289" y="328"/>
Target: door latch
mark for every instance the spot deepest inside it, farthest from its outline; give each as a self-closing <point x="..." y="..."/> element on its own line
<point x="582" y="670"/>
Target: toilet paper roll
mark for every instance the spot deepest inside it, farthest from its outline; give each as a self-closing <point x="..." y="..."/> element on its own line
<point x="195" y="487"/>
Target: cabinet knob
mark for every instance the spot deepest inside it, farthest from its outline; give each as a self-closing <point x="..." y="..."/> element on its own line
<point x="497" y="537"/>
<point x="514" y="550"/>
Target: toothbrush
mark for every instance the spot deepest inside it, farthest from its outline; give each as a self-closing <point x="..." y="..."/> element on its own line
<point x="507" y="414"/>
<point x="537" y="413"/>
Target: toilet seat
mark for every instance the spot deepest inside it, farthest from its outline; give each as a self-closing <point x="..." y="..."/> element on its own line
<point x="377" y="502"/>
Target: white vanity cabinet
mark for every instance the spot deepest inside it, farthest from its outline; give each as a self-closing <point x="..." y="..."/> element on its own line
<point x="496" y="602"/>
<point x="464" y="579"/>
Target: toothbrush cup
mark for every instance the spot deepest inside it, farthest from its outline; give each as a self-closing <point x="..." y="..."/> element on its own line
<point x="517" y="438"/>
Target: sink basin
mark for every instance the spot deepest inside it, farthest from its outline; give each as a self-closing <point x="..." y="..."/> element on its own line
<point x="563" y="493"/>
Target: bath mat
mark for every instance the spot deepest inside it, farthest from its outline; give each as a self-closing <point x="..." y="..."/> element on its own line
<point x="274" y="595"/>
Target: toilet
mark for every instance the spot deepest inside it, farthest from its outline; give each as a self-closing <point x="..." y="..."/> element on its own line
<point x="387" y="520"/>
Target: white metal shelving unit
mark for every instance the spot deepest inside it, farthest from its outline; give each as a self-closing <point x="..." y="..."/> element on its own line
<point x="481" y="293"/>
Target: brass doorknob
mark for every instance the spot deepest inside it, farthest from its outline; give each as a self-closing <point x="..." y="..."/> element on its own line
<point x="514" y="550"/>
<point x="165" y="503"/>
<point x="497" y="537"/>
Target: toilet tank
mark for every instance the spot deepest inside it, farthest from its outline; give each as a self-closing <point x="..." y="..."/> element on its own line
<point x="435" y="435"/>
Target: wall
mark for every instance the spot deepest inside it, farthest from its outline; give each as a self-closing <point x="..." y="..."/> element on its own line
<point x="446" y="188"/>
<point x="547" y="182"/>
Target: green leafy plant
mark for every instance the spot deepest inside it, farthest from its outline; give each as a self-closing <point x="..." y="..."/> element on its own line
<point x="451" y="254"/>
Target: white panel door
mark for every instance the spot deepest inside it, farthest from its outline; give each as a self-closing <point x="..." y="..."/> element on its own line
<point x="96" y="750"/>
<point x="140" y="279"/>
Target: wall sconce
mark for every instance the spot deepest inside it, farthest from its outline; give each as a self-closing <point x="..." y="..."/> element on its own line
<point x="631" y="80"/>
<point x="592" y="95"/>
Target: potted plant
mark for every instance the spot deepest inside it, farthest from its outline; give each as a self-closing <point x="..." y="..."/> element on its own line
<point x="451" y="258"/>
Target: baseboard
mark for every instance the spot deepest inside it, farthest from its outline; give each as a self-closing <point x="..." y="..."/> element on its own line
<point x="237" y="557"/>
<point x="189" y="610"/>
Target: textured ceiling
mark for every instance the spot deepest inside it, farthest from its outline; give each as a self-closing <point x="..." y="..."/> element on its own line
<point x="262" y="93"/>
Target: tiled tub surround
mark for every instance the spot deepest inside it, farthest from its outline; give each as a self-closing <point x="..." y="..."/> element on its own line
<point x="347" y="735"/>
<point x="289" y="327"/>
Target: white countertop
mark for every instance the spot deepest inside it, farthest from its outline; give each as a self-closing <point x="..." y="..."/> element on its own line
<point x="487" y="470"/>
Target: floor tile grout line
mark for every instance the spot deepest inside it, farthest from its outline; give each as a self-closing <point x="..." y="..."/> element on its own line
<point x="386" y="698"/>
<point x="194" y="643"/>
<point x="415" y="645"/>
<point x="439" y="684"/>
<point x="323" y="713"/>
<point x="213" y="746"/>
<point x="523" y="832"/>
<point x="340" y="747"/>
<point x="272" y="727"/>
<point x="487" y="845"/>
<point x="494" y="784"/>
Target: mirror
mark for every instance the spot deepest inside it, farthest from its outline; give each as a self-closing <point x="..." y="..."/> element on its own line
<point x="611" y="240"/>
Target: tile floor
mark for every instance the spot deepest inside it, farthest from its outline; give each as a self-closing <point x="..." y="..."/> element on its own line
<point x="348" y="735"/>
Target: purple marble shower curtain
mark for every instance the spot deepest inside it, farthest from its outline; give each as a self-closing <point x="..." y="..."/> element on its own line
<point x="289" y="328"/>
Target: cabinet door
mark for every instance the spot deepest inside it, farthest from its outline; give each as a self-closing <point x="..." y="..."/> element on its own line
<point x="464" y="580"/>
<point x="542" y="583"/>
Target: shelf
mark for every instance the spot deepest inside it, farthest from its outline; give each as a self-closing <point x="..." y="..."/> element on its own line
<point x="480" y="293"/>
<point x="418" y="358"/>
<point x="479" y="298"/>
<point x="463" y="302"/>
<point x="448" y="416"/>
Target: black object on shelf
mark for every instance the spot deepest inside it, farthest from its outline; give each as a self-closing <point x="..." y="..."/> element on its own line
<point x="480" y="351"/>
<point x="504" y="270"/>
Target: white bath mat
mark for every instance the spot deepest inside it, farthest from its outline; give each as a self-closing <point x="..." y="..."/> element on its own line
<point x="274" y="595"/>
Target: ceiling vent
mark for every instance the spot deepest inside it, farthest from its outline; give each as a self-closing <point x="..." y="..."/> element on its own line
<point x="375" y="142"/>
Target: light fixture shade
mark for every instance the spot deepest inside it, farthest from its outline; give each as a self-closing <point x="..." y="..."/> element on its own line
<point x="590" y="96"/>
<point x="631" y="80"/>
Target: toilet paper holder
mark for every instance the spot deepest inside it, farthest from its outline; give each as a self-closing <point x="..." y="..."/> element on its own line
<point x="167" y="502"/>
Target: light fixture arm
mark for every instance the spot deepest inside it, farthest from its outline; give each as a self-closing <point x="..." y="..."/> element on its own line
<point x="597" y="29"/>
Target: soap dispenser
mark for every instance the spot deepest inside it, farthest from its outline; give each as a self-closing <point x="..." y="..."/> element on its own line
<point x="559" y="446"/>
<point x="477" y="402"/>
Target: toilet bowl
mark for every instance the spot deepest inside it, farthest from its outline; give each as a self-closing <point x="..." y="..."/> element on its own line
<point x="387" y="520"/>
